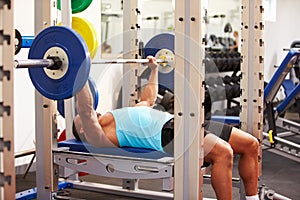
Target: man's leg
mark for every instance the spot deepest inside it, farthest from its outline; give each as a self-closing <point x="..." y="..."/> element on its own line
<point x="247" y="146"/>
<point x="220" y="155"/>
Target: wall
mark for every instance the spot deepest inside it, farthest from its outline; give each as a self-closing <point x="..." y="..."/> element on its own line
<point x="279" y="34"/>
<point x="24" y="90"/>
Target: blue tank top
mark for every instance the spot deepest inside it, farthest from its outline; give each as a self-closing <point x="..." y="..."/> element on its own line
<point x="140" y="126"/>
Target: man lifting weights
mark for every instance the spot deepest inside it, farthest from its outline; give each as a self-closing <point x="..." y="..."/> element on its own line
<point x="144" y="127"/>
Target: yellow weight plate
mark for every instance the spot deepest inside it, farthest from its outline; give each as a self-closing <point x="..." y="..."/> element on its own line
<point x="87" y="31"/>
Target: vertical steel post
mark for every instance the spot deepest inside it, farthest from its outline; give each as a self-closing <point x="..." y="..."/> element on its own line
<point x="131" y="26"/>
<point x="69" y="104"/>
<point x="189" y="98"/>
<point x="45" y="113"/>
<point x="252" y="68"/>
<point x="7" y="164"/>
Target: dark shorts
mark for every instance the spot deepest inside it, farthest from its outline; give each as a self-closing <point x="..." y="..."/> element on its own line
<point x="221" y="130"/>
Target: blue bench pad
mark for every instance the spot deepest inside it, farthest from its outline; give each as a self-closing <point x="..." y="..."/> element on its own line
<point x="77" y="146"/>
<point x="232" y="120"/>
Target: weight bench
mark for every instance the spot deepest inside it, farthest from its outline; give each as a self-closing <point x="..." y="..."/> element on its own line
<point x="292" y="93"/>
<point x="280" y="74"/>
<point x="292" y="97"/>
<point x="128" y="164"/>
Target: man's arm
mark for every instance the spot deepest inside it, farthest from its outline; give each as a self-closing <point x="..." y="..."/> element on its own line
<point x="149" y="94"/>
<point x="89" y="122"/>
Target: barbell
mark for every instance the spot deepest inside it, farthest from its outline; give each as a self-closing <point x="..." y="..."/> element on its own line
<point x="59" y="62"/>
<point x="55" y="63"/>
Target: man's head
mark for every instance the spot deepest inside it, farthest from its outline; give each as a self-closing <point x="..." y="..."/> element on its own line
<point x="235" y="34"/>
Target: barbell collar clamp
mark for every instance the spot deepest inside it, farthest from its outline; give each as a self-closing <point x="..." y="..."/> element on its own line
<point x="57" y="63"/>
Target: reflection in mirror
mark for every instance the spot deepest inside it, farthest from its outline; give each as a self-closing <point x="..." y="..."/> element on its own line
<point x="111" y="24"/>
<point x="223" y="24"/>
<point x="157" y="16"/>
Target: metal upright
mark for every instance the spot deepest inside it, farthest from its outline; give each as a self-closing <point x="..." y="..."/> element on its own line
<point x="189" y="98"/>
<point x="252" y="68"/>
<point x="69" y="104"/>
<point x="45" y="116"/>
<point x="131" y="27"/>
<point x="7" y="37"/>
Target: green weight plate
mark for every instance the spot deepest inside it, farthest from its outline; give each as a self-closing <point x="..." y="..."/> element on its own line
<point x="77" y="5"/>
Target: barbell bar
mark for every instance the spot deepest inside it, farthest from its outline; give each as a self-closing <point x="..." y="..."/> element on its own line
<point x="129" y="61"/>
<point x="50" y="63"/>
<point x="33" y="63"/>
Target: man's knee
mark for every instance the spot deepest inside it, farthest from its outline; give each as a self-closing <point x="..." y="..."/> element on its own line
<point x="253" y="146"/>
<point x="228" y="151"/>
<point x="223" y="153"/>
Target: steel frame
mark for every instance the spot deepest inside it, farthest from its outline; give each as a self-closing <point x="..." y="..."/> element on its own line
<point x="45" y="116"/>
<point x="252" y="68"/>
<point x="131" y="28"/>
<point x="189" y="98"/>
<point x="7" y="164"/>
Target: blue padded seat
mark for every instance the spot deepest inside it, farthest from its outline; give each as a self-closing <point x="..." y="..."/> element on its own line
<point x="78" y="146"/>
<point x="292" y="96"/>
<point x="231" y="120"/>
<point x="288" y="86"/>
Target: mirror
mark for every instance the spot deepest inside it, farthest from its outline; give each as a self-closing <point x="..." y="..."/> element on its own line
<point x="157" y="16"/>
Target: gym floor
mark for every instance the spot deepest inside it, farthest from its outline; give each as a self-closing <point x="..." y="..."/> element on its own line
<point x="279" y="173"/>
